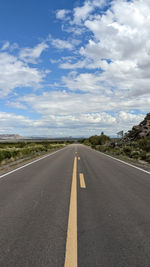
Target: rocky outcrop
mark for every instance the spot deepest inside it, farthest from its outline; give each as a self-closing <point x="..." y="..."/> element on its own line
<point x="144" y="127"/>
<point x="139" y="131"/>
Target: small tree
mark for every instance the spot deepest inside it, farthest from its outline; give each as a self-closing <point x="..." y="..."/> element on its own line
<point x="99" y="139"/>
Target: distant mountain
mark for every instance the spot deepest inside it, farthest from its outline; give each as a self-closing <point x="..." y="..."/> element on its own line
<point x="141" y="130"/>
<point x="10" y="136"/>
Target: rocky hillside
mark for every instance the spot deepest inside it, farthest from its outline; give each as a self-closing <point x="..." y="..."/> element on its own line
<point x="141" y="130"/>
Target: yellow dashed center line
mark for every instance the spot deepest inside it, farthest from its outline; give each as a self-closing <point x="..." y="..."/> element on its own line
<point x="71" y="242"/>
<point x="82" y="181"/>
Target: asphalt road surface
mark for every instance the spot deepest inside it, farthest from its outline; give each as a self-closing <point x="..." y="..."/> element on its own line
<point x="75" y="207"/>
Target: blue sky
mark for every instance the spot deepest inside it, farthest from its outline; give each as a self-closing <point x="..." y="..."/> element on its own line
<point x="73" y="67"/>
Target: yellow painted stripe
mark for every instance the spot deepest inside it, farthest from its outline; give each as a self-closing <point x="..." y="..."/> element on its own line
<point x="82" y="181"/>
<point x="71" y="242"/>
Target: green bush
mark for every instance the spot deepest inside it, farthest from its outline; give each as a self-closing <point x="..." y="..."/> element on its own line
<point x="143" y="155"/>
<point x="144" y="144"/>
<point x="127" y="150"/>
<point x="102" y="148"/>
<point x="135" y="154"/>
<point x="86" y="142"/>
<point x="2" y="157"/>
<point x="148" y="157"/>
<point x="99" y="139"/>
<point x="5" y="154"/>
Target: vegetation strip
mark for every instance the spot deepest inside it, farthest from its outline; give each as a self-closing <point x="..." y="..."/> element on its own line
<point x="3" y="175"/>
<point x="11" y="152"/>
<point x="134" y="145"/>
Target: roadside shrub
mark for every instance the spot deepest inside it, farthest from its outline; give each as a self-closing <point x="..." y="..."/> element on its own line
<point x="5" y="154"/>
<point x="99" y="139"/>
<point x="144" y="144"/>
<point x="15" y="153"/>
<point x="127" y="150"/>
<point x="143" y="155"/>
<point x="148" y="157"/>
<point x="102" y="148"/>
<point x="117" y="151"/>
<point x="135" y="154"/>
<point x="86" y="142"/>
<point x="1" y="156"/>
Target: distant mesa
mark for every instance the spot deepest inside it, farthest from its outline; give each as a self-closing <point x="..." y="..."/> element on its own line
<point x="10" y="137"/>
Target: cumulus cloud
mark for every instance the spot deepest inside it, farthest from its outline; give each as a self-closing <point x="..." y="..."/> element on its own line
<point x="77" y="65"/>
<point x="81" y="13"/>
<point x="62" y="14"/>
<point x="85" y="82"/>
<point x="10" y="121"/>
<point x="108" y="89"/>
<point x="78" y="124"/>
<point x="31" y="55"/>
<point x="70" y="102"/>
<point x="129" y="117"/>
<point x="14" y="73"/>
<point x="62" y="44"/>
<point x="126" y="120"/>
<point x="119" y="46"/>
<point x="5" y="46"/>
<point x="16" y="104"/>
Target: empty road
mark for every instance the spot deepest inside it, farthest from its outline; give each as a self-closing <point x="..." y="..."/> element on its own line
<point x="75" y="208"/>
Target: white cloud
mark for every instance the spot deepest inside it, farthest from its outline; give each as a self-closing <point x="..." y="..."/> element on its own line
<point x="62" y="44"/>
<point x="64" y="103"/>
<point x="16" y="104"/>
<point x="76" y="125"/>
<point x="14" y="73"/>
<point x="81" y="13"/>
<point x="62" y="14"/>
<point x="31" y="55"/>
<point x="120" y="35"/>
<point x="77" y="65"/>
<point x="85" y="82"/>
<point x="14" y="123"/>
<point x="86" y="63"/>
<point x="9" y="47"/>
<point x="5" y="46"/>
<point x="11" y="122"/>
<point x="73" y="29"/>
<point x="70" y="103"/>
<point x="122" y="32"/>
<point x="126" y="120"/>
<point x="114" y="82"/>
<point x="131" y="118"/>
